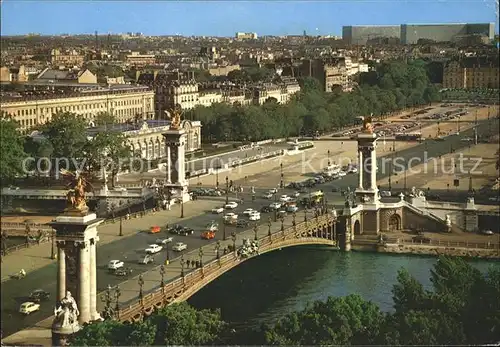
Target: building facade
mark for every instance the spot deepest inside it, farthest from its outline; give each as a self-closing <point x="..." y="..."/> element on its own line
<point x="331" y="74"/>
<point x="125" y="103"/>
<point x="66" y="58"/>
<point x="360" y="35"/>
<point x="245" y="36"/>
<point x="471" y="73"/>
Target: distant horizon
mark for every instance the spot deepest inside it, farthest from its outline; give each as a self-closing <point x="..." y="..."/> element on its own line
<point x="225" y="18"/>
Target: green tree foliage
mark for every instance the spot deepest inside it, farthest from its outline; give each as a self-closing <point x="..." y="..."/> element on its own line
<point x="66" y="133"/>
<point x="393" y="86"/>
<point x="104" y="118"/>
<point x="11" y="151"/>
<point x="178" y="324"/>
<point x="463" y="308"/>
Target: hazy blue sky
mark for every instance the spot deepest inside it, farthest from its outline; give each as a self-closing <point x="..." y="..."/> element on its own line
<point x="224" y="18"/>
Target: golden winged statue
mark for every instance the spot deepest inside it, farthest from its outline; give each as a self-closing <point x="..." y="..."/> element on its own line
<point x="175" y="117"/>
<point x="367" y="125"/>
<point x="78" y="185"/>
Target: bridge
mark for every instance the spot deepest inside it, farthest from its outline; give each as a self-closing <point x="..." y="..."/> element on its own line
<point x="319" y="230"/>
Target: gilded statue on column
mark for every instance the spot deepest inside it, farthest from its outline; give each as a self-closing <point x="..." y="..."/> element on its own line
<point x="367" y="125"/>
<point x="76" y="195"/>
<point x="175" y="117"/>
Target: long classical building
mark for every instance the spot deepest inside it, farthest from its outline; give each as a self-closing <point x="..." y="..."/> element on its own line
<point x="472" y="72"/>
<point x="146" y="139"/>
<point x="125" y="102"/>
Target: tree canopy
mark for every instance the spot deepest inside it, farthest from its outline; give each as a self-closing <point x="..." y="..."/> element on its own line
<point x="391" y="87"/>
<point x="11" y="151"/>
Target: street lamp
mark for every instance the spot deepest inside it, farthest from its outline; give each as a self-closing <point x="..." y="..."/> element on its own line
<point x="182" y="207"/>
<point x="121" y="227"/>
<point x="282" y="184"/>
<point x="269" y="226"/>
<point x="227" y="190"/>
<point x="255" y="231"/>
<point x="328" y="153"/>
<point x="282" y="218"/>
<point x="140" y="281"/>
<point x="275" y="209"/>
<point x="305" y="215"/>
<point x="233" y="237"/>
<point x="217" y="247"/>
<point x="200" y="254"/>
<point x="167" y="261"/>
<point x="52" y="246"/>
<point x="293" y="221"/>
<point x="223" y="229"/>
<point x="183" y="262"/>
<point x="162" y="273"/>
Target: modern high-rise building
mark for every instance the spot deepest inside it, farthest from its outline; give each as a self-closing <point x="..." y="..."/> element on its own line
<point x="411" y="33"/>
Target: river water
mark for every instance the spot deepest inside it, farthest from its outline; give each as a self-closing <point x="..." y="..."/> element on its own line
<point x="267" y="287"/>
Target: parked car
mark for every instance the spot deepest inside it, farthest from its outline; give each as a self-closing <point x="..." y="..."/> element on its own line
<point x="254" y="216"/>
<point x="164" y="241"/>
<point x="39" y="295"/>
<point x="147" y="259"/>
<point x="154" y="248"/>
<point x="115" y="264"/>
<point x="285" y="198"/>
<point x="29" y="307"/>
<point x="296" y="194"/>
<point x="275" y="206"/>
<point x="179" y="246"/>
<point x="421" y="238"/>
<point x="230" y="215"/>
<point x="231" y="205"/>
<point x="249" y="211"/>
<point x="273" y="191"/>
<point x="218" y="210"/>
<point x="487" y="232"/>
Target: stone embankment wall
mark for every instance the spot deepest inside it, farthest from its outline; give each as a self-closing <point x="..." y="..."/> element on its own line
<point x="430" y="250"/>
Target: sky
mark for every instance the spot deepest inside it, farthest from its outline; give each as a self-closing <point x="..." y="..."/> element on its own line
<point x="224" y="18"/>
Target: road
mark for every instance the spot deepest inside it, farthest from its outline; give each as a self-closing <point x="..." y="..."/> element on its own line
<point x="128" y="249"/>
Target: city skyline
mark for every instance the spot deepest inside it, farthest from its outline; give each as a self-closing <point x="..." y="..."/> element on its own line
<point x="224" y="18"/>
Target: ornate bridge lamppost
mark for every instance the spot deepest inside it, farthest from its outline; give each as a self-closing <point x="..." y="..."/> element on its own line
<point x="255" y="231"/>
<point x="233" y="237"/>
<point x="117" y="295"/>
<point x="140" y="281"/>
<point x="269" y="224"/>
<point x="121" y="227"/>
<point x="52" y="244"/>
<point x="200" y="254"/>
<point x="227" y="190"/>
<point x="162" y="274"/>
<point x="282" y="219"/>
<point x="282" y="183"/>
<point x="217" y="248"/>
<point x="183" y="262"/>
<point x="223" y="229"/>
<point x="182" y="207"/>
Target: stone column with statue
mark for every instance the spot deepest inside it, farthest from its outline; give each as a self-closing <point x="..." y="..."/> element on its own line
<point x="76" y="234"/>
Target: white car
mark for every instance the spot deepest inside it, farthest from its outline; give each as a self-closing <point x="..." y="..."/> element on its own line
<point x="267" y="196"/>
<point x="29" y="307"/>
<point x="164" y="241"/>
<point x="254" y="216"/>
<point x="154" y="249"/>
<point x="218" y="210"/>
<point x="353" y="169"/>
<point x="231" y="205"/>
<point x="273" y="191"/>
<point x="385" y="193"/>
<point x="248" y="211"/>
<point x="292" y="208"/>
<point x="230" y="215"/>
<point x="342" y="173"/>
<point x="179" y="246"/>
<point x="487" y="232"/>
<point x="296" y="194"/>
<point x="275" y="205"/>
<point x="285" y="198"/>
<point x="115" y="264"/>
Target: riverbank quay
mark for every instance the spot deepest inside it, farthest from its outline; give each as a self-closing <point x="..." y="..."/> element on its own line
<point x="480" y="250"/>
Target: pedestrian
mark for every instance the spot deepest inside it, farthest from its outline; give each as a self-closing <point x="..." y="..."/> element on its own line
<point x="188" y="262"/>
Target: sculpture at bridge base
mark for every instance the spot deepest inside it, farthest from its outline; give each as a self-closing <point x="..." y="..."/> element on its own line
<point x="66" y="320"/>
<point x="249" y="248"/>
<point x="448" y="223"/>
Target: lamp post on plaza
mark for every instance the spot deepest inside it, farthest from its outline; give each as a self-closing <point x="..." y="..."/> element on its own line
<point x="52" y="242"/>
<point x="269" y="226"/>
<point x="282" y="184"/>
<point x="140" y="281"/>
<point x="217" y="177"/>
<point x="121" y="227"/>
<point x="227" y="190"/>
<point x="282" y="219"/>
<point x="223" y="229"/>
<point x="328" y="153"/>
<point x="167" y="261"/>
<point x="255" y="231"/>
<point x="233" y="237"/>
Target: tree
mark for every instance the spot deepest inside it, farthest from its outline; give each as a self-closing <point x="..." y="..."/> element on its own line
<point x="104" y="118"/>
<point x="11" y="151"/>
<point x="67" y="134"/>
<point x="181" y="324"/>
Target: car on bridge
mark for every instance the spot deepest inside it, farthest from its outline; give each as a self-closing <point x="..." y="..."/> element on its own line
<point x="265" y="209"/>
<point x="275" y="206"/>
<point x="268" y="195"/>
<point x="231" y="205"/>
<point x="115" y="264"/>
<point x="230" y="215"/>
<point x="249" y="211"/>
<point x="179" y="246"/>
<point x="29" y="307"/>
<point x="207" y="235"/>
<point x="154" y="248"/>
<point x="146" y="259"/>
<point x="39" y="295"/>
<point x="254" y="216"/>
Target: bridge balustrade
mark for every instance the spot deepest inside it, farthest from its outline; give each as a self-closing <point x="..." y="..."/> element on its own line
<point x="318" y="230"/>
